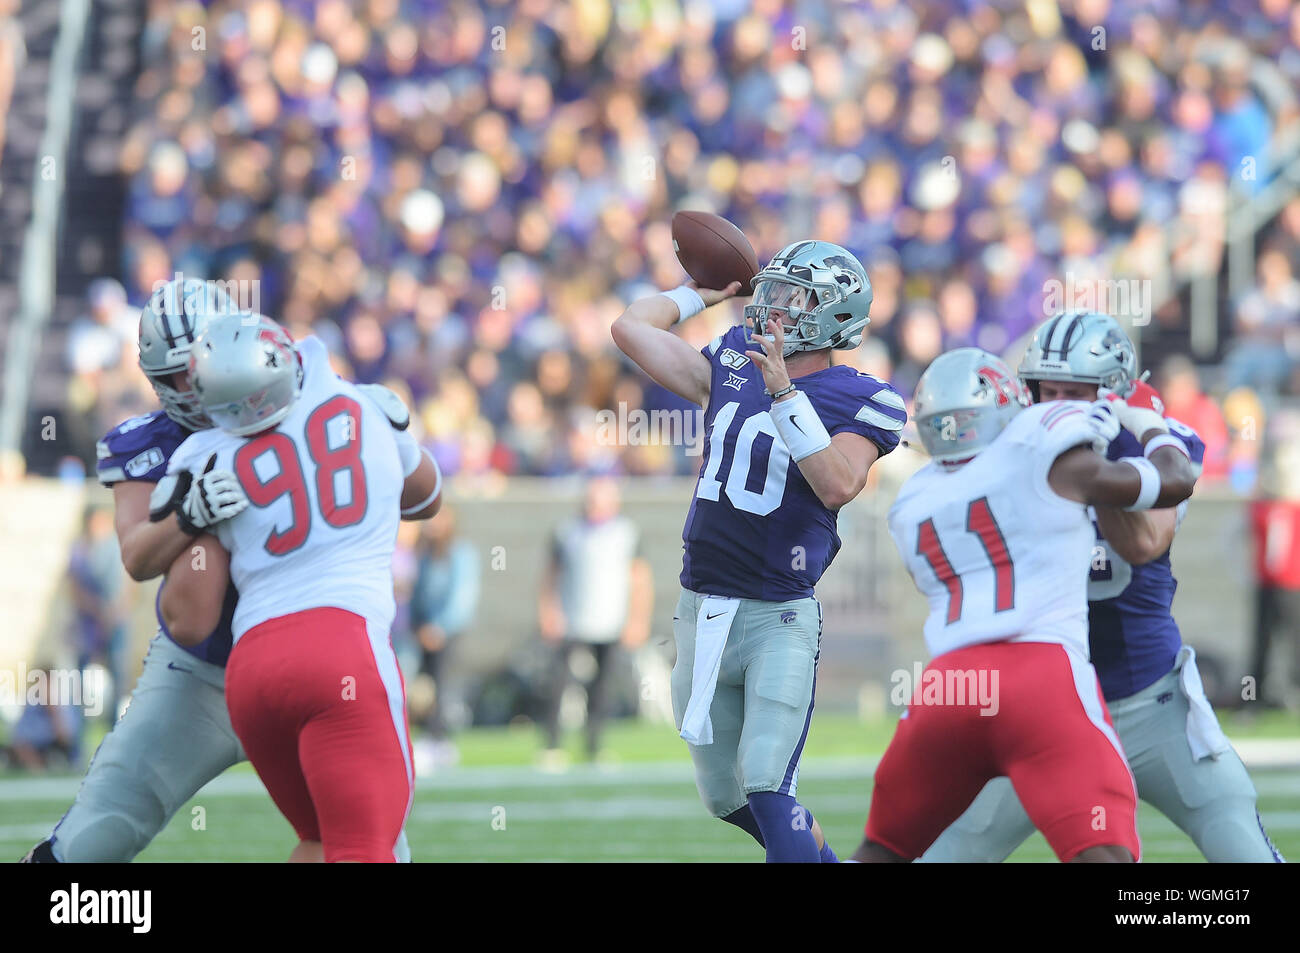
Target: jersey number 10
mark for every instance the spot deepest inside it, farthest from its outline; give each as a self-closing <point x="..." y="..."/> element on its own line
<point x="762" y="501"/>
<point x="979" y="521"/>
<point x="290" y="479"/>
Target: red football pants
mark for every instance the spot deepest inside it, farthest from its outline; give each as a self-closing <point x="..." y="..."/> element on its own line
<point x="319" y="705"/>
<point x="1048" y="731"/>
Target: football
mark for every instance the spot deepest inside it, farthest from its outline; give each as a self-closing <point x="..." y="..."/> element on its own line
<point x="713" y="251"/>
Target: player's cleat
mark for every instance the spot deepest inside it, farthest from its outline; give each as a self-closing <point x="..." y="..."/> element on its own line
<point x="42" y="853"/>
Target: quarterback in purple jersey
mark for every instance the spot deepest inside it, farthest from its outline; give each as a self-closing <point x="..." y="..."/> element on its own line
<point x="790" y="439"/>
<point x="1181" y="761"/>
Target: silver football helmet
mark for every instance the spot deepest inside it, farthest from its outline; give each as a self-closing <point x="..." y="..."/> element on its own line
<point x="821" y="290"/>
<point x="246" y="373"/>
<point x="1086" y="347"/>
<point x="175" y="316"/>
<point x="963" y="401"/>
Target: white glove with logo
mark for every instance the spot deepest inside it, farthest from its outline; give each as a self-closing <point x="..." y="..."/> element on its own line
<point x="199" y="502"/>
<point x="1104" y="425"/>
<point x="1136" y="420"/>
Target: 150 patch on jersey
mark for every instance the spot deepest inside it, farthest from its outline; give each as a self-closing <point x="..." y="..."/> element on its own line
<point x="732" y="358"/>
<point x="142" y="463"/>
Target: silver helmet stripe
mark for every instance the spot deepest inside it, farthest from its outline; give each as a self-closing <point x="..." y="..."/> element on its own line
<point x="187" y="326"/>
<point x="186" y="333"/>
<point x="1047" y="337"/>
<point x="1067" y="336"/>
<point x="1083" y="346"/>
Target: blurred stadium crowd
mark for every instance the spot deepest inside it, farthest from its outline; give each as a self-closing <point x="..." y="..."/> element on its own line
<point x="460" y="198"/>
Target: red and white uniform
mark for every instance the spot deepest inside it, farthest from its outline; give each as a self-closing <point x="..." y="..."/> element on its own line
<point x="1003" y="561"/>
<point x="313" y="685"/>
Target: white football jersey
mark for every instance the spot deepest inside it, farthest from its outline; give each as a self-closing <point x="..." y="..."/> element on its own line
<point x="995" y="550"/>
<point x="324" y="489"/>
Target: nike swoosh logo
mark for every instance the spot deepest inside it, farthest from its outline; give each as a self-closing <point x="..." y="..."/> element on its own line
<point x="178" y="668"/>
<point x="793" y="418"/>
<point x="714" y="616"/>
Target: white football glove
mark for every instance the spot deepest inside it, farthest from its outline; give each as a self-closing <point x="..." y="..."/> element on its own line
<point x="389" y="403"/>
<point x="1136" y="420"/>
<point x="199" y="502"/>
<point x="1104" y="425"/>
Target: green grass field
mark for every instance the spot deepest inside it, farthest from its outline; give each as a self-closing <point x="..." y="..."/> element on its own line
<point x="497" y="807"/>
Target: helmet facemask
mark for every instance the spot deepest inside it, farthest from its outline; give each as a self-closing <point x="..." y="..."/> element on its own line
<point x="819" y="291"/>
<point x="181" y="406"/>
<point x="177" y="312"/>
<point x="789" y="300"/>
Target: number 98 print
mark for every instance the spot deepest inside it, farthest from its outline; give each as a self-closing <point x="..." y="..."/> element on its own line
<point x="288" y="478"/>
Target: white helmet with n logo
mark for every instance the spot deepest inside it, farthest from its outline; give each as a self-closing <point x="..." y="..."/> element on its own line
<point x="1085" y="347"/>
<point x="963" y="401"/>
<point x="175" y="316"/>
<point x="820" y="291"/>
<point x="246" y="372"/>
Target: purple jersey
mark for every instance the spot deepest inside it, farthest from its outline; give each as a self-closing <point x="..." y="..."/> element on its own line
<point x="756" y="529"/>
<point x="138" y="450"/>
<point x="1132" y="633"/>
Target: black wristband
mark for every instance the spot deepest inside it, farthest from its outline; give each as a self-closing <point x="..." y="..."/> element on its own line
<point x="188" y="528"/>
<point x="781" y="393"/>
<point x="180" y="487"/>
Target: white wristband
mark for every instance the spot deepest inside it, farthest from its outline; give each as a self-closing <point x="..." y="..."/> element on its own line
<point x="1164" y="440"/>
<point x="437" y="487"/>
<point x="799" y="426"/>
<point x="1150" y="482"/>
<point x="688" y="301"/>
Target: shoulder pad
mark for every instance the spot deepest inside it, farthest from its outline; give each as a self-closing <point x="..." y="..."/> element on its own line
<point x="138" y="449"/>
<point x="393" y="407"/>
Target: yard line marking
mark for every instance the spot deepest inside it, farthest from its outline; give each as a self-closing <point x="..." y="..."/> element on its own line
<point x="1259" y="754"/>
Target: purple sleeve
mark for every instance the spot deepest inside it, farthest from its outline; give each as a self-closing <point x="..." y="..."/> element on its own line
<point x="138" y="449"/>
<point x="869" y="408"/>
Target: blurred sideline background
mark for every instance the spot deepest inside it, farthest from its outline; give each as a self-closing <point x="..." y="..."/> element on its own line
<point x="460" y="198"/>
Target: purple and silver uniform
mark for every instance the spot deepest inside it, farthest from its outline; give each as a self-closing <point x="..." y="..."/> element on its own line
<point x="138" y="449"/>
<point x="756" y="529"/>
<point x="1132" y="632"/>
